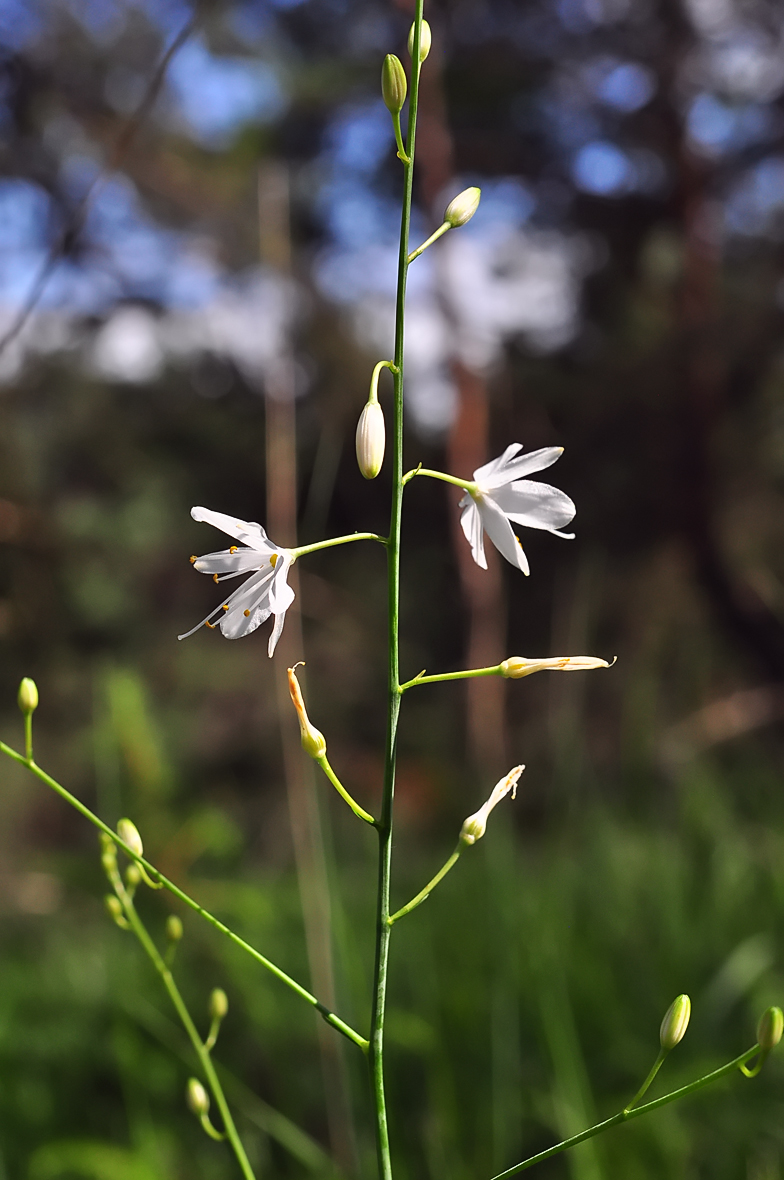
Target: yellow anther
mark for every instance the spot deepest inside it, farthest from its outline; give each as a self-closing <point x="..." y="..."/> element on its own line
<point x="232" y="548"/>
<point x="274" y="560"/>
<point x="192" y="559"/>
<point x="211" y="626"/>
<point x="215" y="577"/>
<point x="225" y="606"/>
<point x="246" y="614"/>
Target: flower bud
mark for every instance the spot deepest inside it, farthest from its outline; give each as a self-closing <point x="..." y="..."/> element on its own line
<point x="675" y="1023"/>
<point x="425" y="41"/>
<point x="132" y="876"/>
<point x="313" y="741"/>
<point x="219" y="1004"/>
<point x="517" y="666"/>
<point x="108" y="853"/>
<point x="27" y="696"/>
<point x="129" y="834"/>
<point x="393" y="83"/>
<point x="173" y="928"/>
<point x="114" y="910"/>
<point x="463" y="207"/>
<point x="371" y="440"/>
<point x="770" y="1028"/>
<point x="475" y="826"/>
<point x="198" y="1098"/>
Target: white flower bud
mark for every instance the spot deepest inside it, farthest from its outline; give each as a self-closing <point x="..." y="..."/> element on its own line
<point x="425" y="41"/>
<point x="393" y="83"/>
<point x="133" y="876"/>
<point x="219" y="1004"/>
<point x="475" y="826"/>
<point x="129" y="834"/>
<point x="27" y="696"/>
<point x="463" y="207"/>
<point x="770" y="1029"/>
<point x="371" y="440"/>
<point x="517" y="666"/>
<point x="675" y="1023"/>
<point x="198" y="1098"/>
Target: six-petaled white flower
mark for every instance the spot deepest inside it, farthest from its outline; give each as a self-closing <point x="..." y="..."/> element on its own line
<point x="266" y="592"/>
<point x="499" y="495"/>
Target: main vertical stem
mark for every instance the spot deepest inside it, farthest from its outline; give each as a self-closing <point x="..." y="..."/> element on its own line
<point x="383" y="929"/>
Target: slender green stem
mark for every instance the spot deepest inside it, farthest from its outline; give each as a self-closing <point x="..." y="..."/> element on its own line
<point x="384" y="827"/>
<point x="623" y="1116"/>
<point x="208" y="1128"/>
<point x="341" y="790"/>
<point x="157" y="876"/>
<point x="202" y="1052"/>
<point x="428" y="889"/>
<point x="433" y="238"/>
<point x="647" y="1083"/>
<point x="28" y="731"/>
<point x="332" y="541"/>
<point x="469" y="674"/>
<point x="373" y="393"/>
<point x="465" y="484"/>
<point x="401" y="151"/>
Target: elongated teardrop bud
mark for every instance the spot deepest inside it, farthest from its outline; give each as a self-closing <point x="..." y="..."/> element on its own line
<point x="198" y="1098"/>
<point x="770" y="1029"/>
<point x="371" y="440"/>
<point x="463" y="207"/>
<point x="129" y="834"/>
<point x="173" y="928"/>
<point x="675" y="1023"/>
<point x="393" y="83"/>
<point x="517" y="666"/>
<point x="219" y="1004"/>
<point x="313" y="741"/>
<point x="425" y="41"/>
<point x="27" y="696"/>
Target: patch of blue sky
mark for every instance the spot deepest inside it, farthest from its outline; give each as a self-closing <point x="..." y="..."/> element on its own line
<point x="602" y="169"/>
<point x="168" y="15"/>
<point x="346" y="276"/>
<point x="104" y="20"/>
<point x="20" y="23"/>
<point x="505" y="203"/>
<point x="571" y="122"/>
<point x="24" y="215"/>
<point x="627" y="86"/>
<point x="356" y="216"/>
<point x="360" y="137"/>
<point x="719" y="127"/>
<point x="19" y="269"/>
<point x="218" y="95"/>
<point x="80" y="289"/>
<point x="756" y="205"/>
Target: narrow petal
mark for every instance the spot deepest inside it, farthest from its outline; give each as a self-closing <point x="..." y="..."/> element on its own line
<point x="249" y="606"/>
<point x="241" y="561"/>
<point x="281" y="594"/>
<point x="525" y="465"/>
<point x="536" y="505"/>
<point x="471" y="524"/>
<point x="248" y="532"/>
<point x="482" y="474"/>
<point x="501" y="533"/>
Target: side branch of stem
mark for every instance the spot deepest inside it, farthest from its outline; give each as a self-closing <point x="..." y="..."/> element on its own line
<point x="158" y="877"/>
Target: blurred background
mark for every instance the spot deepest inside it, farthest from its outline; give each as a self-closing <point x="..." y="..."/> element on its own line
<point x="198" y="222"/>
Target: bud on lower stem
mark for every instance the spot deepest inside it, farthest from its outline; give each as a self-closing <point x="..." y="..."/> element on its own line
<point x="173" y="928"/>
<point x="219" y="1004"/>
<point x="198" y="1098"/>
<point x="463" y="207"/>
<point x="393" y="83"/>
<point x="425" y="41"/>
<point x="770" y="1029"/>
<point x="675" y="1023"/>
<point x="27" y="697"/>
<point x="371" y="440"/>
<point x="313" y="741"/>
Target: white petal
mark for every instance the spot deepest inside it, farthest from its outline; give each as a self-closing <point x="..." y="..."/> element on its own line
<point x="276" y="633"/>
<point x="253" y="598"/>
<point x="281" y="594"/>
<point x="482" y="473"/>
<point x="501" y="533"/>
<point x="248" y="532"/>
<point x="525" y="465"/>
<point x="242" y="561"/>
<point x="536" y="505"/>
<point x="471" y="524"/>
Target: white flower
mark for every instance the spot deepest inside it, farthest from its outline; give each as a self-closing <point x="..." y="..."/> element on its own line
<point x="266" y="592"/>
<point x="499" y="495"/>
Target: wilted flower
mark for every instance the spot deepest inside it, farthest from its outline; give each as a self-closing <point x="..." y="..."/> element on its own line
<point x="499" y="495"/>
<point x="515" y="667"/>
<point x="313" y="741"/>
<point x="266" y="592"/>
<point x="474" y="827"/>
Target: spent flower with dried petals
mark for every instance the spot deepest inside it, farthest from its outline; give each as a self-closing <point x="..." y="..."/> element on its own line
<point x="475" y="825"/>
<point x="499" y="495"/>
<point x="266" y="592"/>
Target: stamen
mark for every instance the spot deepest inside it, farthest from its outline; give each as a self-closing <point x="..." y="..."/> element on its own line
<point x="274" y="560"/>
<point x="215" y="578"/>
<point x="225" y="606"/>
<point x="193" y="559"/>
<point x="232" y="548"/>
<point x="246" y="614"/>
<point x="210" y="625"/>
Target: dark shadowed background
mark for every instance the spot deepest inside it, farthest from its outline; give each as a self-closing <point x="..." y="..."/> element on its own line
<point x="197" y="266"/>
